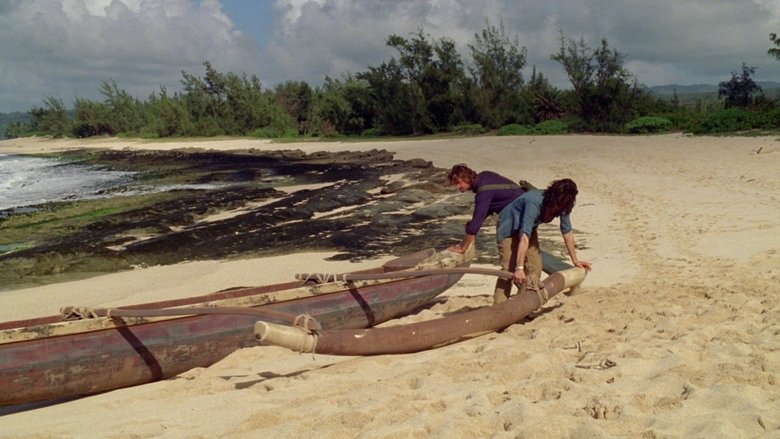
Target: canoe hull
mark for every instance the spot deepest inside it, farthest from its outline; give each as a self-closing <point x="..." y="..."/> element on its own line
<point x="415" y="337"/>
<point x="97" y="361"/>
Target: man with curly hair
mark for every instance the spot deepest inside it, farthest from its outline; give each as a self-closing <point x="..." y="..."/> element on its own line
<point x="492" y="193"/>
<point x="518" y="224"/>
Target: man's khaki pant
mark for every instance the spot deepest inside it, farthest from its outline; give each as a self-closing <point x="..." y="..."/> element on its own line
<point x="507" y="254"/>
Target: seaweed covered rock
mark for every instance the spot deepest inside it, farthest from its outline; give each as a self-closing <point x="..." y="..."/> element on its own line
<point x="190" y="205"/>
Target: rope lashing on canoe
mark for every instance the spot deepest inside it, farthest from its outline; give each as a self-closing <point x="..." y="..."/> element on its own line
<point x="304" y="321"/>
<point x="307" y="322"/>
<point x="543" y="297"/>
<point x="540" y="291"/>
<point x="319" y="278"/>
<point x="346" y="277"/>
<point x="78" y="313"/>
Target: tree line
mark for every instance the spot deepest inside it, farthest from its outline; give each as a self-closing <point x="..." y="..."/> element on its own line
<point x="425" y="89"/>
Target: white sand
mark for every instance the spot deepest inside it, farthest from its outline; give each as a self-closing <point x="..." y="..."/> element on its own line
<point x="684" y="298"/>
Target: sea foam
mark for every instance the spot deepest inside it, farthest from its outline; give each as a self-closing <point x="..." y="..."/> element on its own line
<point x="28" y="181"/>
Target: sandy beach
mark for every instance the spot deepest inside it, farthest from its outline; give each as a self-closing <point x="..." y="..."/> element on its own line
<point x="674" y="334"/>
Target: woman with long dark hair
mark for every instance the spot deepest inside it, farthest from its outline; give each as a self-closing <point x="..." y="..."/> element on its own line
<point x="518" y="224"/>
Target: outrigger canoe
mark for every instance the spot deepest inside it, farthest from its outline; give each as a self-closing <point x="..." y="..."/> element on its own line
<point x="419" y="336"/>
<point x="85" y="351"/>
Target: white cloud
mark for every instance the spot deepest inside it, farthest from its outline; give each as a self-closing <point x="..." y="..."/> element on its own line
<point x="682" y="41"/>
<point x="65" y="48"/>
<point x="332" y="37"/>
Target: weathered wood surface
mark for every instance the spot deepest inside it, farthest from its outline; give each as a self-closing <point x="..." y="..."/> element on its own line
<point x="418" y="336"/>
<point x="66" y="359"/>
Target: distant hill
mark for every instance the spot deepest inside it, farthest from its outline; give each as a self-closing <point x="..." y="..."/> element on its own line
<point x="702" y="88"/>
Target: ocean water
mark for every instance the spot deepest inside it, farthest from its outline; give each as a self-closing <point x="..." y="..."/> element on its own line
<point x="28" y="181"/>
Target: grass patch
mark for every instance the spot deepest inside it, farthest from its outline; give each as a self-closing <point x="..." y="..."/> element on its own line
<point x="14" y="246"/>
<point x="98" y="213"/>
<point x="60" y="219"/>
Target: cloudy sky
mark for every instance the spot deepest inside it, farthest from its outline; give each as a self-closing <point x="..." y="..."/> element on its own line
<point x="64" y="48"/>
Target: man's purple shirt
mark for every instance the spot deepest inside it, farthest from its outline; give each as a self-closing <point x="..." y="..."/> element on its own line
<point x="491" y="201"/>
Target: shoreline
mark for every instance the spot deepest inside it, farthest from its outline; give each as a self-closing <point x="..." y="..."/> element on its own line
<point x="674" y="333"/>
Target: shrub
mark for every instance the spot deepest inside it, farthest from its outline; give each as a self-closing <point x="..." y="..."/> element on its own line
<point x="542" y="128"/>
<point x="576" y="124"/>
<point x="147" y="133"/>
<point x="469" y="129"/>
<point x="15" y="129"/>
<point x="550" y="127"/>
<point x="768" y="120"/>
<point x="726" y="121"/>
<point x="270" y="132"/>
<point x="684" y="120"/>
<point x="649" y="124"/>
<point x="514" y="129"/>
<point x="207" y="127"/>
<point x="372" y="132"/>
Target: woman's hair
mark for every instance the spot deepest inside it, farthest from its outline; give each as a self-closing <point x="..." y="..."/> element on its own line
<point x="462" y="172"/>
<point x="559" y="198"/>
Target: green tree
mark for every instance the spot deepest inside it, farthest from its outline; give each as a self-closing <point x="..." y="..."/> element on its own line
<point x="125" y="112"/>
<point x="606" y="92"/>
<point x="91" y="119"/>
<point x="343" y="107"/>
<point x="204" y="100"/>
<point x="545" y="100"/>
<point x="416" y="55"/>
<point x="739" y="90"/>
<point x="15" y="129"/>
<point x="388" y="90"/>
<point x="434" y="79"/>
<point x="231" y="104"/>
<point x="363" y="107"/>
<point x="295" y="98"/>
<point x="443" y="86"/>
<point x="497" y="71"/>
<point x="167" y="116"/>
<point x="243" y="105"/>
<point x="331" y="109"/>
<point x="774" y="51"/>
<point x="52" y="118"/>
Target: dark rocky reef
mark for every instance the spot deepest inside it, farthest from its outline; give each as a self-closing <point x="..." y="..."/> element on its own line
<point x="243" y="212"/>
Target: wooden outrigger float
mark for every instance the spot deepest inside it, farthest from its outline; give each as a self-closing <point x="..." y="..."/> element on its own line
<point x="419" y="336"/>
<point x="105" y="349"/>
